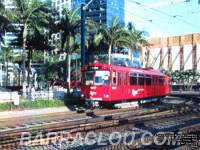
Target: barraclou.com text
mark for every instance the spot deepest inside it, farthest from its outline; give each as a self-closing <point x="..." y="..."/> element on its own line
<point x="115" y="138"/>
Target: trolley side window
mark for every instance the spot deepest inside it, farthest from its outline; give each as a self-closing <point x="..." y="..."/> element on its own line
<point x="114" y="77"/>
<point x="161" y="80"/>
<point x="119" y="78"/>
<point x="148" y="80"/>
<point x="125" y="78"/>
<point x="141" y="79"/>
<point x="153" y="78"/>
<point x="133" y="78"/>
<point x="88" y="77"/>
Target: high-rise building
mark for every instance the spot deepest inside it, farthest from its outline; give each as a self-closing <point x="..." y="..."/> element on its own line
<point x="103" y="11"/>
<point x="60" y="4"/>
<point x="9" y="37"/>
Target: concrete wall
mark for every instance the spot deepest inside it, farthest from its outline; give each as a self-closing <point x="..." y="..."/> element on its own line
<point x="176" y="58"/>
<point x="9" y="97"/>
<point x="178" y="52"/>
<point x="187" y="53"/>
<point x="165" y="57"/>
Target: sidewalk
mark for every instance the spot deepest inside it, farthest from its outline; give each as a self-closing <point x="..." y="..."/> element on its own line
<point x="33" y="112"/>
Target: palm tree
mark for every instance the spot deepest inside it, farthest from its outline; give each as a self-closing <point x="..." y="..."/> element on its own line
<point x="35" y="34"/>
<point x="2" y="22"/>
<point x="7" y="54"/>
<point x="93" y="46"/>
<point x="29" y="13"/>
<point x="114" y="36"/>
<point x="137" y="39"/>
<point x="69" y="25"/>
<point x="18" y="60"/>
<point x="5" y="19"/>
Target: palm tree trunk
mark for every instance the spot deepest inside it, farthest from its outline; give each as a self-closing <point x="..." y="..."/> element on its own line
<point x="29" y="72"/>
<point x="67" y="67"/>
<point x="19" y="82"/>
<point x="24" y="62"/>
<point x="109" y="54"/>
<point x="7" y="72"/>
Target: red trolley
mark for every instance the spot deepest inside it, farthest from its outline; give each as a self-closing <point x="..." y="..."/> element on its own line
<point x="110" y="84"/>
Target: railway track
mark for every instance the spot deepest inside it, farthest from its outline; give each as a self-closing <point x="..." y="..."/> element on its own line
<point x="42" y="120"/>
<point x="102" y="124"/>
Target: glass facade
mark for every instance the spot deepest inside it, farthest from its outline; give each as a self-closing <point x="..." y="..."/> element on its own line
<point x="115" y="8"/>
<point x="103" y="11"/>
<point x="60" y="4"/>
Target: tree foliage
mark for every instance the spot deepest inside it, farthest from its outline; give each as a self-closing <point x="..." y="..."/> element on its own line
<point x="39" y="21"/>
<point x="183" y="77"/>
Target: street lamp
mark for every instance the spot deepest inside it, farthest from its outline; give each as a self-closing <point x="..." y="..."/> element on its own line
<point x="83" y="8"/>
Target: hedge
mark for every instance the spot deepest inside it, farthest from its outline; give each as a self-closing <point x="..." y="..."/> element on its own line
<point x="28" y="103"/>
<point x="32" y="104"/>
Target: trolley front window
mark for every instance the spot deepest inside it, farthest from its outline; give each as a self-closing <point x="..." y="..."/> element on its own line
<point x="88" y="77"/>
<point x="102" y="77"/>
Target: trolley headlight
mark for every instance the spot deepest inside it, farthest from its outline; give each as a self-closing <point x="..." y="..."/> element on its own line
<point x="82" y="95"/>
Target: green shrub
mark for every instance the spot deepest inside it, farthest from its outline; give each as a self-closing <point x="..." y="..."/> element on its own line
<point x="5" y="106"/>
<point x="32" y="104"/>
<point x="28" y="103"/>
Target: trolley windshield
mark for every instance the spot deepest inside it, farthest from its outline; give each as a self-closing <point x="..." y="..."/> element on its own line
<point x="98" y="77"/>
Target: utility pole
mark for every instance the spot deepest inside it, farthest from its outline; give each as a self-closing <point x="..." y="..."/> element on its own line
<point x="82" y="35"/>
<point x="83" y="8"/>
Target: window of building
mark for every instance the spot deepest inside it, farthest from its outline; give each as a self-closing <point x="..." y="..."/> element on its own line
<point x="148" y="80"/>
<point x="58" y="2"/>
<point x="133" y="78"/>
<point x="160" y="80"/>
<point x="114" y="76"/>
<point x="141" y="79"/>
<point x="102" y="9"/>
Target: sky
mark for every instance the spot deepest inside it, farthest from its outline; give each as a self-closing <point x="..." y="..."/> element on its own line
<point x="167" y="18"/>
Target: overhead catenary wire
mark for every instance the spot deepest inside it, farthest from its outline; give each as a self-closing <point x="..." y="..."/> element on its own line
<point x="145" y="19"/>
<point x="184" y="14"/>
<point x="164" y="13"/>
<point x="166" y="3"/>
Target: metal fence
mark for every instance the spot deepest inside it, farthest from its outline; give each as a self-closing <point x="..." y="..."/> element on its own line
<point x="14" y="96"/>
<point x="47" y="95"/>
